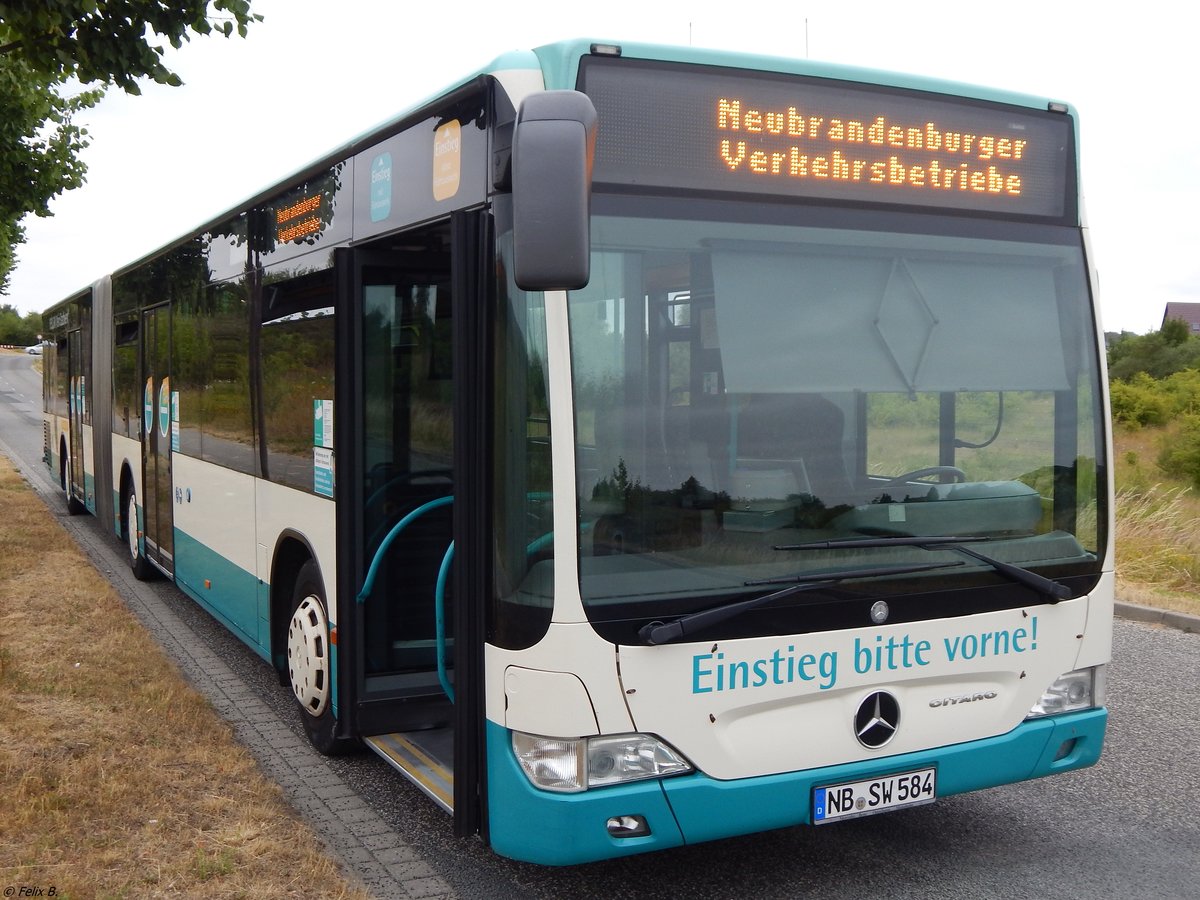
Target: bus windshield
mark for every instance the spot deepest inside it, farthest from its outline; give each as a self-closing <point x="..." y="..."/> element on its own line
<point x="748" y="394"/>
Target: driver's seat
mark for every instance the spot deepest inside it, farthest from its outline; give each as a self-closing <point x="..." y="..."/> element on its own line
<point x="803" y="432"/>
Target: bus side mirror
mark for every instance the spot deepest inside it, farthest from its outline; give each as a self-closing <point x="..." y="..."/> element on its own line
<point x="553" y="146"/>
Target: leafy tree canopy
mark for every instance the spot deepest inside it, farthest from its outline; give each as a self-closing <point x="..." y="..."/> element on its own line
<point x="1158" y="354"/>
<point x="18" y="330"/>
<point x="56" y="59"/>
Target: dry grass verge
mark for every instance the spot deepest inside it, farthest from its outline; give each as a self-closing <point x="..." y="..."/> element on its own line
<point x="119" y="780"/>
<point x="1158" y="548"/>
<point x="1158" y="527"/>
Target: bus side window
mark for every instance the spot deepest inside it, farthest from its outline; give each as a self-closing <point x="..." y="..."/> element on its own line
<point x="126" y="410"/>
<point x="226" y="423"/>
<point x="296" y="359"/>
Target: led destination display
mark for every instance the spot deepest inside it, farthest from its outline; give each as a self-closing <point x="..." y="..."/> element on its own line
<point x="722" y="130"/>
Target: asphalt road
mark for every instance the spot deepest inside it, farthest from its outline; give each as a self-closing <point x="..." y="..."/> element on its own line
<point x="1129" y="827"/>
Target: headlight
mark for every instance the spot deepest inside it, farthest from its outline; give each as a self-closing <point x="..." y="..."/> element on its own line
<point x="1081" y="689"/>
<point x="570" y="765"/>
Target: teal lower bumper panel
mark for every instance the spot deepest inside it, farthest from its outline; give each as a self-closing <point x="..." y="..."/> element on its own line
<point x="707" y="809"/>
<point x="566" y="829"/>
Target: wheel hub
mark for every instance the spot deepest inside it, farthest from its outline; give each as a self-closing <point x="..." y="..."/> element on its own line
<point x="132" y="527"/>
<point x="308" y="657"/>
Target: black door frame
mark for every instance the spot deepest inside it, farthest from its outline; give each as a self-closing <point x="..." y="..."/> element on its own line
<point x="76" y="471"/>
<point x="154" y="451"/>
<point x="473" y="299"/>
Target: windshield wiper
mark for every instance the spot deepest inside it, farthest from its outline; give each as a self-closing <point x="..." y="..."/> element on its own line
<point x="667" y="632"/>
<point x="1047" y="587"/>
<point x="896" y="540"/>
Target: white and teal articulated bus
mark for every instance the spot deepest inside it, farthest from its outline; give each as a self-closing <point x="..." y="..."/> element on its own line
<point x="636" y="446"/>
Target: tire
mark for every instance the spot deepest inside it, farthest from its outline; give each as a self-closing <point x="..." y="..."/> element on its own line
<point x="141" y="567"/>
<point x="309" y="664"/>
<point x="74" y="507"/>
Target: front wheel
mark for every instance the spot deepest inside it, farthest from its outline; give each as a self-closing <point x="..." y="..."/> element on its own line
<point x="310" y="669"/>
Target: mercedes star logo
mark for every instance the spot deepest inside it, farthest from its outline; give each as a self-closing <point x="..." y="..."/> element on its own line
<point x="877" y="719"/>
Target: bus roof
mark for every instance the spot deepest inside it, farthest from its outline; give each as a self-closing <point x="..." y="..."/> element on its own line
<point x="560" y="63"/>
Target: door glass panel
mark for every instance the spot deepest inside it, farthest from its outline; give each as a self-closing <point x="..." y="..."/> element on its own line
<point x="76" y="404"/>
<point x="156" y="437"/>
<point x="408" y="440"/>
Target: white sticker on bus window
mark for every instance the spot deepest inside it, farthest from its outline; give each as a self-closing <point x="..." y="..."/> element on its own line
<point x="323" y="471"/>
<point x="323" y="423"/>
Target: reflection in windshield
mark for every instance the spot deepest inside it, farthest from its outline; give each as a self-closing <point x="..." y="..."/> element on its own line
<point x="741" y="387"/>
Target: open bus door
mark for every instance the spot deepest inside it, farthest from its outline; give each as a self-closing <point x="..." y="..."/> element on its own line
<point x="411" y="445"/>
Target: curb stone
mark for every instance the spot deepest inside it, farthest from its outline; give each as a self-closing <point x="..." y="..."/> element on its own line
<point x="1152" y="615"/>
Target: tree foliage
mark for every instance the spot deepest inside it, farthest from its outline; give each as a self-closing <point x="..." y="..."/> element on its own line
<point x="17" y="330"/>
<point x="1158" y="354"/>
<point x="1156" y="383"/>
<point x="56" y="59"/>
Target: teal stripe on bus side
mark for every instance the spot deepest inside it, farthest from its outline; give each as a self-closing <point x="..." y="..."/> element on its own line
<point x="233" y="596"/>
<point x="236" y="599"/>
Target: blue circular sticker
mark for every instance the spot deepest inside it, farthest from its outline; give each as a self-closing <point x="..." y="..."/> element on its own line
<point x="164" y="407"/>
<point x="148" y="406"/>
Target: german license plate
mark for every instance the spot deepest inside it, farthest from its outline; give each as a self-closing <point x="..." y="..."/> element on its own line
<point x="863" y="798"/>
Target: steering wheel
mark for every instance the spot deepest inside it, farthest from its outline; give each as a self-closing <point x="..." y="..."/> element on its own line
<point x="900" y="480"/>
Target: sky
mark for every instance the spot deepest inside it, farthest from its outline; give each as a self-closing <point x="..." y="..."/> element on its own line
<point x="314" y="74"/>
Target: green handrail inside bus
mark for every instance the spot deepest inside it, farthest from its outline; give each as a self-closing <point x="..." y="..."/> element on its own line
<point x="373" y="570"/>
<point x="439" y="597"/>
<point x="439" y="618"/>
<point x="439" y="592"/>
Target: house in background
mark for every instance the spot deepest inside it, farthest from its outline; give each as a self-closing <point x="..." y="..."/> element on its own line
<point x="1188" y="312"/>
